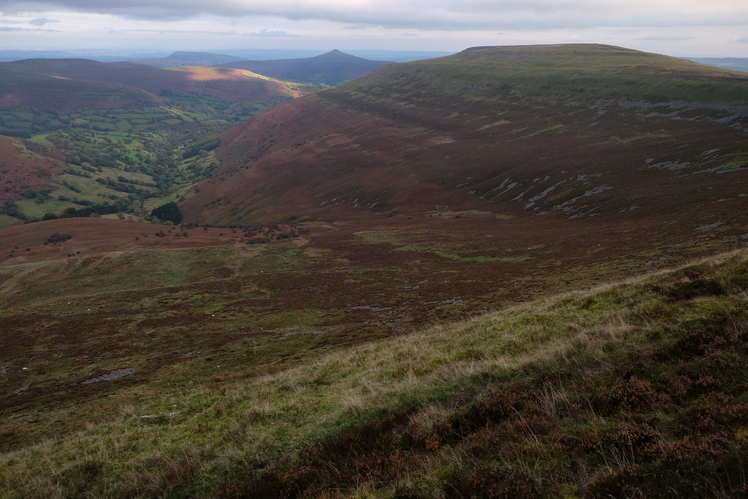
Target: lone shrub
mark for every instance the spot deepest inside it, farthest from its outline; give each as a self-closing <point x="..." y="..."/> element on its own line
<point x="58" y="238"/>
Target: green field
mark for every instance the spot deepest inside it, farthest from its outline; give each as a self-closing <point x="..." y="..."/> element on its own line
<point x="145" y="146"/>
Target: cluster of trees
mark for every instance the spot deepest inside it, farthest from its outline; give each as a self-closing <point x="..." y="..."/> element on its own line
<point x="121" y="204"/>
<point x="19" y="134"/>
<point x="12" y="210"/>
<point x="168" y="212"/>
<point x="121" y="186"/>
<point x="203" y="145"/>
<point x="39" y="196"/>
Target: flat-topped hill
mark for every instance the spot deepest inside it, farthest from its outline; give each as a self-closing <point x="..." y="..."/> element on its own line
<point x="577" y="132"/>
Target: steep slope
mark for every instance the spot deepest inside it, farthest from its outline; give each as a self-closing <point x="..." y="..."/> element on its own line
<point x="575" y="132"/>
<point x="331" y="68"/>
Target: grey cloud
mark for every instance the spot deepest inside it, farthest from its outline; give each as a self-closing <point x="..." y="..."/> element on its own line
<point x="666" y="38"/>
<point x="174" y="32"/>
<point x="431" y="14"/>
<point x="27" y="30"/>
<point x="41" y="21"/>
<point x="270" y="33"/>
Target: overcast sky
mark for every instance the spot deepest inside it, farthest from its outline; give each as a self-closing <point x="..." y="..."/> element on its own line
<point x="698" y="28"/>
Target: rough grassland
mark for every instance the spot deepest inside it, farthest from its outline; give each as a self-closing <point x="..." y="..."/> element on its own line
<point x="585" y="393"/>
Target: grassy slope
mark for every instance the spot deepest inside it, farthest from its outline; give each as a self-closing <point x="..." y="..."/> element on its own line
<point x="586" y="392"/>
<point x="584" y="130"/>
<point x="569" y="75"/>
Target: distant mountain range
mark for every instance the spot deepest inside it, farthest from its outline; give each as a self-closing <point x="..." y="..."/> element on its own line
<point x="198" y="58"/>
<point x="102" y="55"/>
<point x="331" y="68"/>
<point x="189" y="59"/>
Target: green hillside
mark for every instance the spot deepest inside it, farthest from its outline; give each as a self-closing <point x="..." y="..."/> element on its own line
<point x="128" y="133"/>
<point x="562" y="76"/>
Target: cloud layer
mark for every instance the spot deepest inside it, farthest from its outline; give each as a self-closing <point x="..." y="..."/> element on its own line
<point x="425" y="14"/>
<point x="696" y="28"/>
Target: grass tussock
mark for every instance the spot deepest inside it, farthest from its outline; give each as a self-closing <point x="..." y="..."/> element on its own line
<point x="631" y="388"/>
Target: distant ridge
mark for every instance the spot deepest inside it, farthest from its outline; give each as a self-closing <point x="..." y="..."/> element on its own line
<point x="181" y="58"/>
<point x="332" y="68"/>
<point x="67" y="85"/>
<point x="92" y="54"/>
<point x="736" y="63"/>
<point x="39" y="84"/>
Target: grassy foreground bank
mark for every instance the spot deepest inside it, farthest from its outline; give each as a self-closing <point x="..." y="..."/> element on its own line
<point x="635" y="387"/>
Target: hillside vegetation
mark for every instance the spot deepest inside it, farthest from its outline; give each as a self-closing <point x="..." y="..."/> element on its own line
<point x="126" y="133"/>
<point x="633" y="385"/>
<point x="226" y="84"/>
<point x="584" y="131"/>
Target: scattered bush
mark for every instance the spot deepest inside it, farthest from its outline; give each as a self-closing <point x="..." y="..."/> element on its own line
<point x="58" y="238"/>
